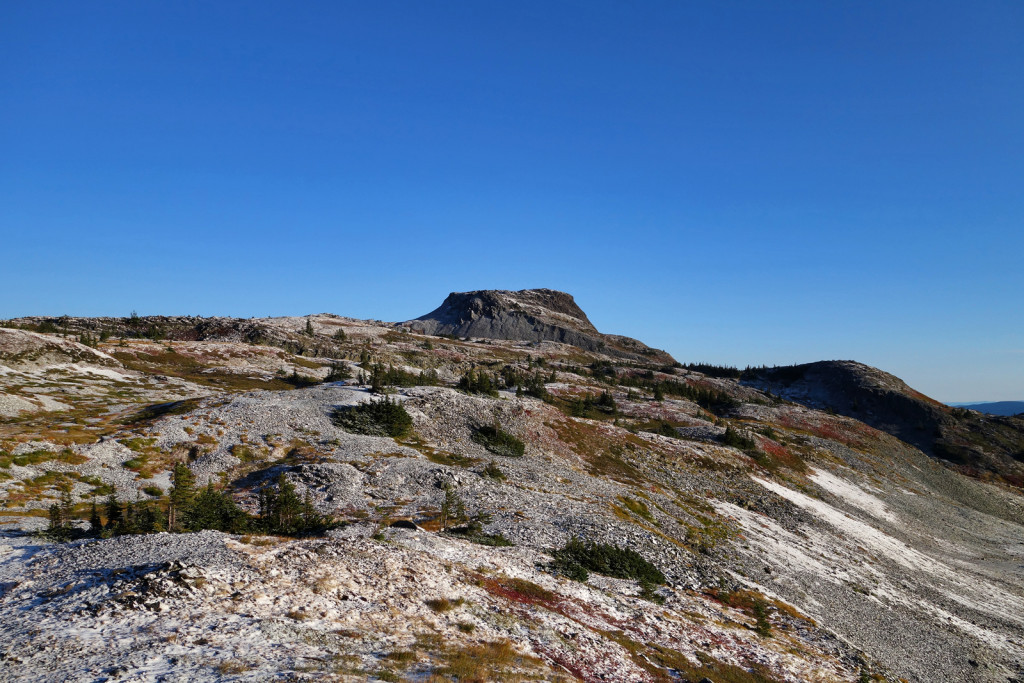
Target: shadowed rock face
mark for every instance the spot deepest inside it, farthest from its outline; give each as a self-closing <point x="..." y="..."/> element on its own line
<point x="964" y="437"/>
<point x="527" y="315"/>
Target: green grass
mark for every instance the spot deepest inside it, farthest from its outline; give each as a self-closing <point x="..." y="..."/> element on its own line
<point x="137" y="444"/>
<point x="658" y="661"/>
<point x="444" y="604"/>
<point x="36" y="457"/>
<point x="637" y="507"/>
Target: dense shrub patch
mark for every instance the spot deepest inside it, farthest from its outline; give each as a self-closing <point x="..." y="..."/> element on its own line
<point x="188" y="508"/>
<point x="738" y="440"/>
<point x="579" y="557"/>
<point x="376" y="418"/>
<point x="499" y="442"/>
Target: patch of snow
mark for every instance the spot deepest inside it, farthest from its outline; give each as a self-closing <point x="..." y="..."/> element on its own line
<point x="968" y="589"/>
<point x="853" y="494"/>
<point x="51" y="404"/>
<point x="95" y="370"/>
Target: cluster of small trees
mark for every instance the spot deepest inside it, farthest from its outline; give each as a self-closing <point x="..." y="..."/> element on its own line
<point x="381" y="377"/>
<point x="498" y="441"/>
<point x="737" y="439"/>
<point x="707" y="398"/>
<point x="190" y="508"/>
<point x="508" y="377"/>
<point x="712" y="370"/>
<point x="590" y="406"/>
<point x="88" y="339"/>
<point x="480" y="383"/>
<point x="338" y="372"/>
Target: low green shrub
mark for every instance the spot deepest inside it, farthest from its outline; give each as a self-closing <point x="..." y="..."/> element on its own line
<point x="499" y="442"/>
<point x="375" y="418"/>
<point x="494" y="472"/>
<point x="472" y="532"/>
<point x="579" y="557"/>
<point x="738" y="440"/>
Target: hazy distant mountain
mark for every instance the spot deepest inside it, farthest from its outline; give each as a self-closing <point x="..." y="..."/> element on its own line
<point x="995" y="407"/>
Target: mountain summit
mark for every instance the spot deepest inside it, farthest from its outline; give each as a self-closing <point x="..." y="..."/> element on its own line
<point x="532" y="315"/>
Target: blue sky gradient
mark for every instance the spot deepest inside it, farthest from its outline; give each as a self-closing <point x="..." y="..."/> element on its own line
<point x="735" y="182"/>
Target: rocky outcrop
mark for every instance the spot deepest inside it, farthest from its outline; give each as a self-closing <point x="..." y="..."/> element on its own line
<point x="24" y="350"/>
<point x="532" y="315"/>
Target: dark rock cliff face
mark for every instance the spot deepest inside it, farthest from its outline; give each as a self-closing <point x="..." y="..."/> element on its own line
<point x="527" y="315"/>
<point x="964" y="437"/>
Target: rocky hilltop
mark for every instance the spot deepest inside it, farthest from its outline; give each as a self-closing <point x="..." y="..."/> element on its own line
<point x="977" y="442"/>
<point x="325" y="498"/>
<point x="532" y="315"/>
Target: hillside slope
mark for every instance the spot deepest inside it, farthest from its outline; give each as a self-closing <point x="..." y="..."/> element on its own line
<point x="981" y="444"/>
<point x="788" y="543"/>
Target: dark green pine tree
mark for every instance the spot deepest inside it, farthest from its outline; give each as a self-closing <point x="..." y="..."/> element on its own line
<point x="281" y="510"/>
<point x="95" y="523"/>
<point x="115" y="513"/>
<point x="183" y="491"/>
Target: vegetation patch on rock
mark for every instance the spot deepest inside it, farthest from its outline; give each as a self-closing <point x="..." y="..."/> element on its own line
<point x="498" y="441"/>
<point x="376" y="418"/>
<point x="580" y="557"/>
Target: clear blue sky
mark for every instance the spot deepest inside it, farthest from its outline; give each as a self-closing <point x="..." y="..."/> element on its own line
<point x="735" y="182"/>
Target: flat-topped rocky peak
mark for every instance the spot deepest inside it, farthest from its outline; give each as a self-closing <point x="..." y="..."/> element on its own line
<point x="547" y="305"/>
<point x="532" y="315"/>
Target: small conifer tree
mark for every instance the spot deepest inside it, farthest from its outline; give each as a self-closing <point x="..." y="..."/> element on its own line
<point x="183" y="491"/>
<point x="95" y="523"/>
<point x="115" y="513"/>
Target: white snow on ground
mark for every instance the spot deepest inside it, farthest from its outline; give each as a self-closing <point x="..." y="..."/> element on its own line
<point x="95" y="370"/>
<point x="968" y="589"/>
<point x="780" y="547"/>
<point x="49" y="403"/>
<point x="853" y="494"/>
<point x="872" y="538"/>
